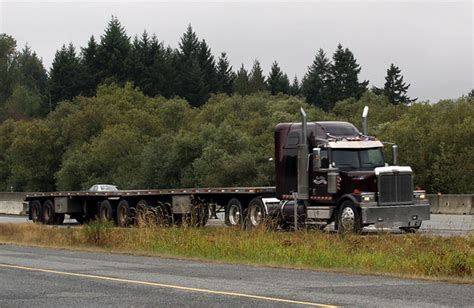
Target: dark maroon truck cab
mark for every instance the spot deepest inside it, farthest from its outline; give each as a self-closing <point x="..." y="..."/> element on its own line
<point x="364" y="187"/>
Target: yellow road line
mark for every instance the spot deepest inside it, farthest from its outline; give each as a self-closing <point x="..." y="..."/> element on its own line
<point x="169" y="286"/>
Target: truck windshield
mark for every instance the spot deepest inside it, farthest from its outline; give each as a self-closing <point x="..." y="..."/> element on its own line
<point x="363" y="159"/>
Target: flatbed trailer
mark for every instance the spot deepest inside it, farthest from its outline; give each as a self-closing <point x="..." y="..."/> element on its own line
<point x="124" y="207"/>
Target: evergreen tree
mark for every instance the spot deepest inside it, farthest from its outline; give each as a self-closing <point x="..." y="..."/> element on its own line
<point x="32" y="75"/>
<point x="134" y="63"/>
<point x="167" y="72"/>
<point x="208" y="67"/>
<point x="225" y="75"/>
<point x="189" y="44"/>
<point x="256" y="78"/>
<point x="344" y="76"/>
<point x="90" y="67"/>
<point x="193" y="85"/>
<point x="277" y="81"/>
<point x="23" y="81"/>
<point x="32" y="72"/>
<point x="395" y="89"/>
<point x="65" y="75"/>
<point x="315" y="85"/>
<point x="8" y="67"/>
<point x="154" y="77"/>
<point x="112" y="53"/>
<point x="295" y="87"/>
<point x="241" y="83"/>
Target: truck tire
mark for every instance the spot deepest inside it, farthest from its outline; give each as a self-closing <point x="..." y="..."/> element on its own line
<point x="233" y="213"/>
<point x="124" y="216"/>
<point x="106" y="211"/>
<point x="35" y="210"/>
<point x="255" y="214"/>
<point x="49" y="217"/>
<point x="348" y="218"/>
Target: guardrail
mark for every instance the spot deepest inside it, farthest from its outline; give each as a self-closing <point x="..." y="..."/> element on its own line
<point x="12" y="203"/>
<point x="452" y="204"/>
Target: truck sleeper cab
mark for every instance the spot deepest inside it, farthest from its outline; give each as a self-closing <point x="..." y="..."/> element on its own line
<point x="348" y="181"/>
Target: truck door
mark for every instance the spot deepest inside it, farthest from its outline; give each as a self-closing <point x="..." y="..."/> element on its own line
<point x="318" y="178"/>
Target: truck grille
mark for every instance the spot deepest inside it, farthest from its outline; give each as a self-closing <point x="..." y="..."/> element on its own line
<point x="395" y="188"/>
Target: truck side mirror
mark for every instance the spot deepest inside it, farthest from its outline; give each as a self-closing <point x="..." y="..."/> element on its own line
<point x="316" y="158"/>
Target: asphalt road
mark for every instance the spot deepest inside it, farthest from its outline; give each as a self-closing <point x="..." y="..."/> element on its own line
<point x="439" y="224"/>
<point x="57" y="278"/>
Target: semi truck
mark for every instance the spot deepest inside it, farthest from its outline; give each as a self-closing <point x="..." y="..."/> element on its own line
<point x="325" y="172"/>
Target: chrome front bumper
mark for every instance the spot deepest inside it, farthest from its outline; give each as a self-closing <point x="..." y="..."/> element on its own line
<point x="395" y="215"/>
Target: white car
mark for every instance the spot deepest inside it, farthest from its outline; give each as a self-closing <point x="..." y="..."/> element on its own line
<point x="103" y="187"/>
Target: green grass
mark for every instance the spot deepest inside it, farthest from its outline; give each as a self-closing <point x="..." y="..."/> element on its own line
<point x="410" y="255"/>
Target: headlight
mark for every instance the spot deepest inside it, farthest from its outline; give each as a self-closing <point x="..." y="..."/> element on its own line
<point x="419" y="195"/>
<point x="367" y="197"/>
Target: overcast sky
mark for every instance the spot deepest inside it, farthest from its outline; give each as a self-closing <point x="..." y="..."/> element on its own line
<point x="432" y="42"/>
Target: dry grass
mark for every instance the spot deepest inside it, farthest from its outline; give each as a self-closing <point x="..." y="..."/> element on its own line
<point x="411" y="255"/>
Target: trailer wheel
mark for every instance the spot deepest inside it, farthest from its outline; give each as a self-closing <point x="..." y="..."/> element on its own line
<point x="106" y="212"/>
<point x="233" y="213"/>
<point x="348" y="218"/>
<point x="124" y="217"/>
<point x="35" y="210"/>
<point x="49" y="217"/>
<point x="255" y="214"/>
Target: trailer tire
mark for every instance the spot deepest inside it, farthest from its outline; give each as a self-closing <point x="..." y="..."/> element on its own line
<point x="234" y="213"/>
<point x="256" y="215"/>
<point x="348" y="218"/>
<point x="49" y="217"/>
<point x="35" y="210"/>
<point x="106" y="211"/>
<point x="124" y="216"/>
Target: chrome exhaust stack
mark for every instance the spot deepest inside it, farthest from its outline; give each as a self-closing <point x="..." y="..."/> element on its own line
<point x="303" y="187"/>
<point x="365" y="128"/>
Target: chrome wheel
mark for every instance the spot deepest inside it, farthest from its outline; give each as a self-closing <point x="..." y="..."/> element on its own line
<point x="256" y="215"/>
<point x="347" y="219"/>
<point x="234" y="215"/>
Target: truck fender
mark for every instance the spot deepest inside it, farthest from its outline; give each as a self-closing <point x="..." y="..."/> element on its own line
<point x="343" y="198"/>
<point x="271" y="205"/>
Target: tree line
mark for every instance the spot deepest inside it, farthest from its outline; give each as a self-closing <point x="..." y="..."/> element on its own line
<point x="140" y="114"/>
<point x="123" y="137"/>
<point x="190" y="71"/>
